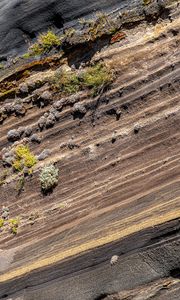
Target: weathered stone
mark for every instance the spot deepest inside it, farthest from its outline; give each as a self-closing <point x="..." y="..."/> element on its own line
<point x="44" y="154"/>
<point x="41" y="122"/>
<point x="35" y="138"/>
<point x="19" y="110"/>
<point x="50" y="121"/>
<point x="23" y="88"/>
<point x="13" y="135"/>
<point x="114" y="260"/>
<point x="79" y="107"/>
<point x="28" y="131"/>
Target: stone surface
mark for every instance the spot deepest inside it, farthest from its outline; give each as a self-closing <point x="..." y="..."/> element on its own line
<point x="22" y="20"/>
<point x="118" y="193"/>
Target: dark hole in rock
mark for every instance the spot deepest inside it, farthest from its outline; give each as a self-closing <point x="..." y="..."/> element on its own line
<point x="78" y="115"/>
<point x="101" y="297"/>
<point x="3" y="58"/>
<point x="83" y="52"/>
<point x="111" y="111"/>
<point x="58" y="20"/>
<point x="174" y="32"/>
<point x="31" y="35"/>
<point x="113" y="140"/>
<point x="175" y="273"/>
<point x="125" y="106"/>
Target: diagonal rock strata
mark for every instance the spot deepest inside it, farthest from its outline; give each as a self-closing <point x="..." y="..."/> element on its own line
<point x="118" y="188"/>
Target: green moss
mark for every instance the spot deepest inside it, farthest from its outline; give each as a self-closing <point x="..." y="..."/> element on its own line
<point x="45" y="42"/>
<point x="24" y="158"/>
<point x="146" y="2"/>
<point x="1" y="223"/>
<point x="97" y="78"/>
<point x="13" y="224"/>
<point x="67" y="83"/>
<point x="26" y="55"/>
<point x="94" y="78"/>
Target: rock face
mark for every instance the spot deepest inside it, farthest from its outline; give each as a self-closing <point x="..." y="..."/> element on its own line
<point x="22" y="20"/>
<point x="110" y="227"/>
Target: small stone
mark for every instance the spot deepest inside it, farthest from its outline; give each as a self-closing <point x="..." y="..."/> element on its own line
<point x="79" y="110"/>
<point x="50" y="121"/>
<point x="13" y="135"/>
<point x="137" y="127"/>
<point x="21" y="130"/>
<point x="26" y="171"/>
<point x="9" y="108"/>
<point x="46" y="114"/>
<point x="114" y="138"/>
<point x="58" y="105"/>
<point x="114" y="260"/>
<point x="35" y="138"/>
<point x="19" y="110"/>
<point x="44" y="154"/>
<point x="23" y="88"/>
<point x="118" y="114"/>
<point x="5" y="213"/>
<point x="71" y="144"/>
<point x="5" y="209"/>
<point x="28" y="131"/>
<point x="46" y="95"/>
<point x="55" y="113"/>
<point x="42" y="122"/>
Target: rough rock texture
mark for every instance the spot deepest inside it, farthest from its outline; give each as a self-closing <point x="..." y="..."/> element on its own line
<point x="119" y="176"/>
<point x="22" y="20"/>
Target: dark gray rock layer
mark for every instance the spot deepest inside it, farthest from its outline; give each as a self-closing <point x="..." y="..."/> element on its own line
<point x="21" y="20"/>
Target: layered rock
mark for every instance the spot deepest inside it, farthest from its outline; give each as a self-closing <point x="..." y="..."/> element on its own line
<point x="118" y="191"/>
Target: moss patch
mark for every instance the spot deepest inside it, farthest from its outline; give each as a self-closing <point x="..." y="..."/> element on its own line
<point x="45" y="42"/>
<point x="24" y="158"/>
<point x="94" y="78"/>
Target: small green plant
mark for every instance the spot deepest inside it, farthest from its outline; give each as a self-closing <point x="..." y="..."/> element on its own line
<point x="146" y="2"/>
<point x="13" y="225"/>
<point x="45" y="42"/>
<point x="97" y="78"/>
<point x="49" y="177"/>
<point x="1" y="223"/>
<point x="66" y="82"/>
<point x="26" y="55"/>
<point x="23" y="158"/>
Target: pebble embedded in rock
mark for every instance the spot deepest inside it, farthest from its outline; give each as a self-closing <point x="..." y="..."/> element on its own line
<point x="35" y="138"/>
<point x="13" y="135"/>
<point x="23" y="88"/>
<point x="137" y="127"/>
<point x="114" y="260"/>
<point x="28" y="131"/>
<point x="79" y="110"/>
<point x="19" y="110"/>
<point x="50" y="121"/>
<point x="44" y="154"/>
<point x="42" y="122"/>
